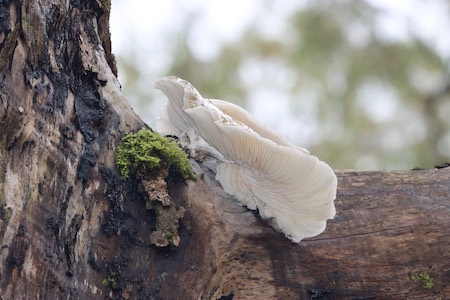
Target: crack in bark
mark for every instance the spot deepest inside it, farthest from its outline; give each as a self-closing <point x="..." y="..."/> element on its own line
<point x="71" y="240"/>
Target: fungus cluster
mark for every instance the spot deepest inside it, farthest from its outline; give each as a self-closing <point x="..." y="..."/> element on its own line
<point x="261" y="169"/>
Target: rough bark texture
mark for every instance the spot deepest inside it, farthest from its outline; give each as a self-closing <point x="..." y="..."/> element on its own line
<point x="70" y="228"/>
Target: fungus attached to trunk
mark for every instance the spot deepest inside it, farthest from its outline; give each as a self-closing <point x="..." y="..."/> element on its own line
<point x="292" y="189"/>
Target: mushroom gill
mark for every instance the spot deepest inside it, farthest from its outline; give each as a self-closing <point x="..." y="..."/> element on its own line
<point x="260" y="168"/>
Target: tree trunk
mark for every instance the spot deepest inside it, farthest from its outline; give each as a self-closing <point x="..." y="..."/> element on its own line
<point x="71" y="228"/>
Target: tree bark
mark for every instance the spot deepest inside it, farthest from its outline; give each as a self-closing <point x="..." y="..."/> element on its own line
<point x="71" y="228"/>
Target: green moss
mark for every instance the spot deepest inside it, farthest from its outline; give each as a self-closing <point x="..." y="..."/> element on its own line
<point x="110" y="281"/>
<point x="147" y="151"/>
<point x="424" y="278"/>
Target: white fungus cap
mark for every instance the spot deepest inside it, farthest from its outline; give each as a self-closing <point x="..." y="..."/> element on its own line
<point x="255" y="164"/>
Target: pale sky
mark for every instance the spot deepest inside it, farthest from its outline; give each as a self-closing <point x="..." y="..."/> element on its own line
<point x="138" y="28"/>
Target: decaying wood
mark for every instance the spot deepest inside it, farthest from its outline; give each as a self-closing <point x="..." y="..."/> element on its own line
<point x="390" y="225"/>
<point x="71" y="228"/>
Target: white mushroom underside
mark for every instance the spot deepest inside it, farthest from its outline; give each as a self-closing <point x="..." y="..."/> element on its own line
<point x="253" y="163"/>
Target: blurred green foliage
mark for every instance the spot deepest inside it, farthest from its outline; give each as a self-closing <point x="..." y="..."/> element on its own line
<point x="371" y="101"/>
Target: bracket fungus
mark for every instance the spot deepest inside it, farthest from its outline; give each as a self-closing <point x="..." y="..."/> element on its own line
<point x="261" y="169"/>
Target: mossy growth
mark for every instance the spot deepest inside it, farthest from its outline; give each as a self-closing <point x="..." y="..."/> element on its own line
<point x="110" y="281"/>
<point x="424" y="278"/>
<point x="146" y="151"/>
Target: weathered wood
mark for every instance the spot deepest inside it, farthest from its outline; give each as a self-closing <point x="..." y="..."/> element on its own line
<point x="390" y="225"/>
<point x="61" y="115"/>
<point x="70" y="228"/>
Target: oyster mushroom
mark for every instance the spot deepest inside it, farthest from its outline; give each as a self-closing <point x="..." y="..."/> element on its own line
<point x="261" y="169"/>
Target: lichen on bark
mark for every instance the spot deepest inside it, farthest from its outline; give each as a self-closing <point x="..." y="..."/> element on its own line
<point x="168" y="214"/>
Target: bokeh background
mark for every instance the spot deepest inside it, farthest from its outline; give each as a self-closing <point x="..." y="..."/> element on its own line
<point x="362" y="84"/>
